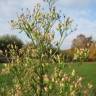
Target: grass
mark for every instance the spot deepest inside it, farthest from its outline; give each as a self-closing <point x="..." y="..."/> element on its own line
<point x="86" y="70"/>
<point x="5" y="79"/>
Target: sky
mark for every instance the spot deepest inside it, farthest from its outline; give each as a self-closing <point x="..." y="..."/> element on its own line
<point x="81" y="11"/>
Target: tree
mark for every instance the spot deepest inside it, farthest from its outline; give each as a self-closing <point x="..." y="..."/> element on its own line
<point x="82" y="42"/>
<point x="7" y="42"/>
<point x="92" y="52"/>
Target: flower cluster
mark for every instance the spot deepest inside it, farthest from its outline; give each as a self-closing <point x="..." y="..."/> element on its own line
<point x="81" y="54"/>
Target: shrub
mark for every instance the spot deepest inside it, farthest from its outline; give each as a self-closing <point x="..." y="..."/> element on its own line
<point x="81" y="54"/>
<point x="8" y="42"/>
<point x="68" y="55"/>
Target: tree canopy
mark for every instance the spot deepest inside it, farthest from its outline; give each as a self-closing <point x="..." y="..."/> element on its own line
<point x="7" y="41"/>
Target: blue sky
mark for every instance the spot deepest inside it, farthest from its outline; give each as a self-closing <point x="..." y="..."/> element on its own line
<point x="81" y="11"/>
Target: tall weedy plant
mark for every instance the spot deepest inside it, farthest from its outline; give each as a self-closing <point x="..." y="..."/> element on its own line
<point x="36" y="73"/>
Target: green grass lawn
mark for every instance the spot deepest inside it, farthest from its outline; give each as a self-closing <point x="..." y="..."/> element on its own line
<point x="5" y="79"/>
<point x="86" y="70"/>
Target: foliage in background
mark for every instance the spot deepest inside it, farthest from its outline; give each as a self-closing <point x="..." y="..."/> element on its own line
<point x="81" y="54"/>
<point x="7" y="42"/>
<point x="83" y="42"/>
<point x="92" y="52"/>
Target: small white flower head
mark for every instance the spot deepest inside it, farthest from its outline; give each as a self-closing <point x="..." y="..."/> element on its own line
<point x="90" y="85"/>
<point x="73" y="72"/>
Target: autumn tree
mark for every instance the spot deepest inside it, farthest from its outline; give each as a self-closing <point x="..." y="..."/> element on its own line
<point x="82" y="42"/>
<point x="92" y="52"/>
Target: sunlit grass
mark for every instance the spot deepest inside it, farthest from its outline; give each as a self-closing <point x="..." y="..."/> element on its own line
<point x="86" y="70"/>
